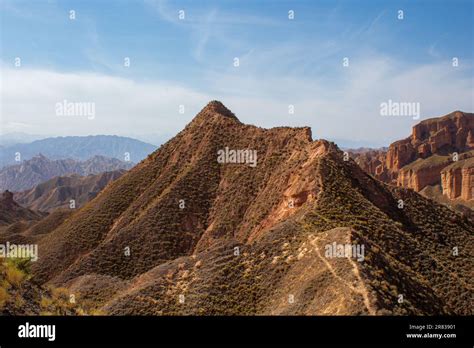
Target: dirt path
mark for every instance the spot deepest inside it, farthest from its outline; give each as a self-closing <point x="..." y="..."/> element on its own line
<point x="359" y="289"/>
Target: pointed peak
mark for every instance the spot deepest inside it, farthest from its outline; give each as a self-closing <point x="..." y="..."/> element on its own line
<point x="7" y="196"/>
<point x="7" y="199"/>
<point x="216" y="107"/>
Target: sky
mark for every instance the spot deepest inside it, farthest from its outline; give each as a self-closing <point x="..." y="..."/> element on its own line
<point x="333" y="64"/>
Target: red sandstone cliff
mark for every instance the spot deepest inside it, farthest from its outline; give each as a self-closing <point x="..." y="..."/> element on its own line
<point x="442" y="135"/>
<point x="426" y="157"/>
<point x="422" y="172"/>
<point x="457" y="180"/>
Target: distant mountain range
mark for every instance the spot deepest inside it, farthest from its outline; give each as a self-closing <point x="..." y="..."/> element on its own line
<point x="57" y="192"/>
<point x="8" y="139"/>
<point x="78" y="148"/>
<point x="40" y="169"/>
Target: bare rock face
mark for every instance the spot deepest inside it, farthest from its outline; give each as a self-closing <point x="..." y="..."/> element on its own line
<point x="443" y="135"/>
<point x="457" y="180"/>
<point x="420" y="160"/>
<point x="399" y="154"/>
<point x="467" y="191"/>
<point x="423" y="173"/>
<point x="373" y="162"/>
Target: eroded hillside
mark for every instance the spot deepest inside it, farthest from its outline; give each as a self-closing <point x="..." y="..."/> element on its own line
<point x="184" y="233"/>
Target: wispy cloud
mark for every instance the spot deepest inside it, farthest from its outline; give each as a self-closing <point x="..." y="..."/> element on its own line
<point x="169" y="11"/>
<point x="204" y="33"/>
<point x="280" y="64"/>
<point x="374" y="22"/>
<point x="208" y="24"/>
<point x="128" y="107"/>
<point x="122" y="105"/>
<point x="95" y="52"/>
<point x="434" y="48"/>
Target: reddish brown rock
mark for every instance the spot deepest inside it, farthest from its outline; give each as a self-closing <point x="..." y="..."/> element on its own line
<point x="442" y="135"/>
<point x="470" y="139"/>
<point x="57" y="192"/>
<point x="399" y="154"/>
<point x="417" y="161"/>
<point x="372" y="162"/>
<point x="11" y="212"/>
<point x="246" y="237"/>
<point x="422" y="172"/>
<point x="457" y="180"/>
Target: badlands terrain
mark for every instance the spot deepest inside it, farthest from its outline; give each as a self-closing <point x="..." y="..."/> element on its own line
<point x="182" y="233"/>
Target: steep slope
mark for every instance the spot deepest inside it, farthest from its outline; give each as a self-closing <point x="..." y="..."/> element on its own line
<point x="20" y="296"/>
<point x="184" y="233"/>
<point x="457" y="180"/>
<point x="59" y="191"/>
<point x="31" y="231"/>
<point x="435" y="192"/>
<point x="428" y="171"/>
<point x="39" y="169"/>
<point x="15" y="219"/>
<point x="408" y="253"/>
<point x="141" y="210"/>
<point x="11" y="212"/>
<point x="79" y="148"/>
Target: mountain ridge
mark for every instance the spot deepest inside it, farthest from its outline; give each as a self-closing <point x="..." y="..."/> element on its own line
<point x="78" y="148"/>
<point x="169" y="228"/>
<point x="39" y="169"/>
<point x="57" y="192"/>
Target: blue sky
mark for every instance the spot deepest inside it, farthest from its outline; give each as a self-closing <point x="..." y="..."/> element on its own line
<point x="188" y="62"/>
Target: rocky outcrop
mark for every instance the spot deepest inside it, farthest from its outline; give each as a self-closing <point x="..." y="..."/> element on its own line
<point x="418" y="178"/>
<point x="373" y="162"/>
<point x="442" y="135"/>
<point x="418" y="161"/>
<point x="457" y="180"/>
